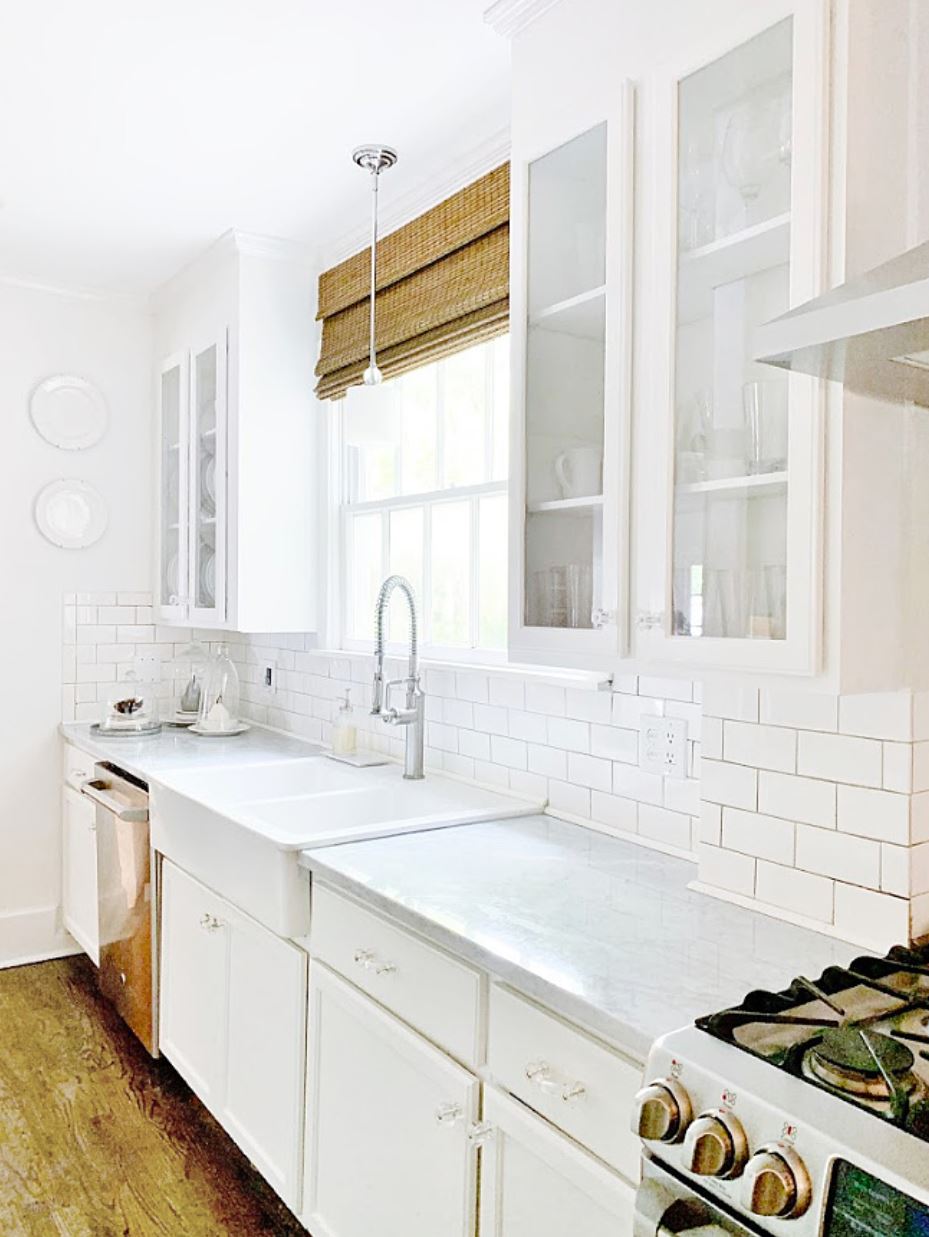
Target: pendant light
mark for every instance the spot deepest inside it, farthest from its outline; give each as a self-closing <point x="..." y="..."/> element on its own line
<point x="374" y="159"/>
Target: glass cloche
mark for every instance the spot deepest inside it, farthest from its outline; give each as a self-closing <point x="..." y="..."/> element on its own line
<point x="131" y="707"/>
<point x="189" y="677"/>
<point x="219" y="699"/>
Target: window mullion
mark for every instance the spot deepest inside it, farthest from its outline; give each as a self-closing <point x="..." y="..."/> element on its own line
<point x="440" y="427"/>
<point x="426" y="606"/>
<point x="489" y="409"/>
<point x="475" y="583"/>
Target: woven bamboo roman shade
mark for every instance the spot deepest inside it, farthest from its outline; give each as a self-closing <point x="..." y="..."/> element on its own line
<point x="442" y="285"/>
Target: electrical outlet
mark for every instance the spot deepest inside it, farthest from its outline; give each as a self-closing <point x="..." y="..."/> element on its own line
<point x="268" y="680"/>
<point x="663" y="746"/>
<point x="147" y="668"/>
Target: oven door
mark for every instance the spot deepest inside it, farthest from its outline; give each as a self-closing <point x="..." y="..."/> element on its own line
<point x="666" y="1206"/>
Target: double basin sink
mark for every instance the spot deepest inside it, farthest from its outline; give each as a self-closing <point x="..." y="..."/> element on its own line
<point x="240" y="829"/>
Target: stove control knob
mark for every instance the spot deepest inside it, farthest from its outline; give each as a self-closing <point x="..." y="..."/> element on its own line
<point x="715" y="1145"/>
<point x="662" y="1112"/>
<point x="776" y="1183"/>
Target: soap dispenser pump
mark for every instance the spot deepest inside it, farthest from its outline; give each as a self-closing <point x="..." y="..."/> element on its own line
<point x="344" y="730"/>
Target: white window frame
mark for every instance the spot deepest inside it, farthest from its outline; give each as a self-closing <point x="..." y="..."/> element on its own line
<point x="473" y="653"/>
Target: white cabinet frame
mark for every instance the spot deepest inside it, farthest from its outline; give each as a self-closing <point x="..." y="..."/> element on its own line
<point x="800" y="652"/>
<point x="580" y="647"/>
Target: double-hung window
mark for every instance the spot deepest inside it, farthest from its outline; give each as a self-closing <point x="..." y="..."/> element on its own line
<point x="424" y="479"/>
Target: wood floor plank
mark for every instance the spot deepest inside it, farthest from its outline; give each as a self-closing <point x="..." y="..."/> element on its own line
<point x="98" y="1140"/>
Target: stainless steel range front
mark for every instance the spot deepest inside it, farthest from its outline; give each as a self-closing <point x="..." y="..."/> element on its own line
<point x="802" y="1112"/>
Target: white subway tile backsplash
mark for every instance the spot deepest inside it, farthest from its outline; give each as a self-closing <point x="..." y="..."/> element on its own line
<point x="797" y="798"/>
<point x="510" y="693"/>
<point x="658" y="824"/>
<point x="710" y="826"/>
<point x="590" y="771"/>
<point x="730" y="700"/>
<point x="614" y="743"/>
<point x="801" y="710"/>
<point x="565" y="797"/>
<point x="765" y="837"/>
<point x="732" y="785"/>
<point x="568" y="734"/>
<point x="682" y="795"/>
<point x="800" y="892"/>
<point x="725" y="869"/>
<point x="711" y="739"/>
<point x="666" y="689"/>
<point x="877" y="715"/>
<point x="509" y="752"/>
<point x="895" y="870"/>
<point x="544" y="698"/>
<point x="529" y="784"/>
<point x="588" y="706"/>
<point x="631" y="782"/>
<point x="840" y="758"/>
<point x="472" y="687"/>
<point x="898" y="767"/>
<point x="920" y="766"/>
<point x="491" y="774"/>
<point x="455" y="712"/>
<point x="491" y="719"/>
<point x="762" y="747"/>
<point x="845" y="858"/>
<point x="615" y="811"/>
<point x="919" y="868"/>
<point x="875" y="917"/>
<point x="880" y="814"/>
<point x="458" y="766"/>
<point x="529" y="726"/>
<point x="548" y="761"/>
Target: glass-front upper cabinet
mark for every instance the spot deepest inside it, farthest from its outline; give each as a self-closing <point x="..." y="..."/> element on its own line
<point x="742" y="441"/>
<point x="570" y="348"/>
<point x="192" y="437"/>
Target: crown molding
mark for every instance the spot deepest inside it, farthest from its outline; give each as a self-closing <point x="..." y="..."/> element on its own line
<point x="512" y="17"/>
<point x="74" y="292"/>
<point x="396" y="212"/>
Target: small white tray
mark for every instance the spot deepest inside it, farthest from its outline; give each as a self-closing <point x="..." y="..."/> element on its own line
<point x="220" y="734"/>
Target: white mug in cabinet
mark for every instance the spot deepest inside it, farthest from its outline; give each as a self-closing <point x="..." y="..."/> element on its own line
<point x="579" y="472"/>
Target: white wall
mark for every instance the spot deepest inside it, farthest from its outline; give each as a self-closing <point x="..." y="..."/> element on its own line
<point x="43" y="333"/>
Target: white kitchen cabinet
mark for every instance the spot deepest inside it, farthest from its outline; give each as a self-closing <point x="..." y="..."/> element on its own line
<point x="571" y="324"/>
<point x="537" y="1183"/>
<point x="80" y="909"/>
<point x="388" y="1124"/>
<point x="237" y="440"/>
<point x="729" y="477"/>
<point x="233" y="1019"/>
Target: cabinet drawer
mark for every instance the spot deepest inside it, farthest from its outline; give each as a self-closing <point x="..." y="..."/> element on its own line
<point x="76" y="766"/>
<point x="580" y="1085"/>
<point x="433" y="992"/>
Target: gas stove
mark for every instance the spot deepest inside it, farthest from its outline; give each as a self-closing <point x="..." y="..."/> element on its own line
<point x="804" y="1111"/>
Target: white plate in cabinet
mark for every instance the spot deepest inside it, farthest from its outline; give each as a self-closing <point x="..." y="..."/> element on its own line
<point x="233" y="1023"/>
<point x="80" y="910"/>
<point x="577" y="1083"/>
<point x="537" y="1183"/>
<point x="429" y="989"/>
<point x="389" y="1124"/>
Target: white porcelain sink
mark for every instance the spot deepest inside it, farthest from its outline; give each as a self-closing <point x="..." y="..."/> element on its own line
<point x="240" y="830"/>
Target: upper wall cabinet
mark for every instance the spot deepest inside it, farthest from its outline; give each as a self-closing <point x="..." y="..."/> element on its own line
<point x="237" y="440"/>
<point x="729" y="477"/>
<point x="571" y="330"/>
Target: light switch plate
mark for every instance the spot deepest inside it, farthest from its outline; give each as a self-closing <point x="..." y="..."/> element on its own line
<point x="663" y="746"/>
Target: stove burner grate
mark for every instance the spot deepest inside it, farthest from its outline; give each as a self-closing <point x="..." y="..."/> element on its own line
<point x="862" y="1063"/>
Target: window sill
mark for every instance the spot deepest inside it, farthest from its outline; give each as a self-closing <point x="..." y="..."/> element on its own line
<point x="581" y="679"/>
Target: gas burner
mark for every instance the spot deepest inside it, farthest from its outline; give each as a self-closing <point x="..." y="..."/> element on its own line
<point x="861" y="1063"/>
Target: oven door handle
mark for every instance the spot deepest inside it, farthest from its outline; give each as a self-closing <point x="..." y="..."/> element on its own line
<point x="656" y="1203"/>
<point x="96" y="790"/>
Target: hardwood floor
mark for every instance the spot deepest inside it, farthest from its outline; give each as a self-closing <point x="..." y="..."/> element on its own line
<point x="98" y="1140"/>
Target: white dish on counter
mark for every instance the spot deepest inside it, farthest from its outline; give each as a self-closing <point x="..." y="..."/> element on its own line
<point x="207" y="733"/>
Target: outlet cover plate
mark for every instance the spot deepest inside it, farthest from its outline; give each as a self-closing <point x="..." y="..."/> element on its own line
<point x="663" y="746"/>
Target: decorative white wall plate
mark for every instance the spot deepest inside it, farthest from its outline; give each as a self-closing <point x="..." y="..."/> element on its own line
<point x="71" y="514"/>
<point x="69" y="412"/>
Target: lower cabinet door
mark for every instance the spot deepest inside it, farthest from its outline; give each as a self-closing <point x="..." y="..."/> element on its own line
<point x="263" y="1096"/>
<point x="80" y="907"/>
<point x="388" y="1122"/>
<point x="194" y="958"/>
<point x="537" y="1183"/>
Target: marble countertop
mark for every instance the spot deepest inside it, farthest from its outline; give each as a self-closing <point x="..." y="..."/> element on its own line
<point x="176" y="749"/>
<point x="600" y="930"/>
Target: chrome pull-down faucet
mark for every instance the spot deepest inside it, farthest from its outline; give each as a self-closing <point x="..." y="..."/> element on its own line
<point x="412" y="715"/>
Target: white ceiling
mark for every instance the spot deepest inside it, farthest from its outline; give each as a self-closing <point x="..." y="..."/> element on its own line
<point x="134" y="132"/>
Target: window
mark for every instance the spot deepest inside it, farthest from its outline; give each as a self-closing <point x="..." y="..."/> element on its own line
<point x="425" y="459"/>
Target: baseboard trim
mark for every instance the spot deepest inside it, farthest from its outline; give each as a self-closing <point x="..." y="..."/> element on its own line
<point x="34" y="934"/>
